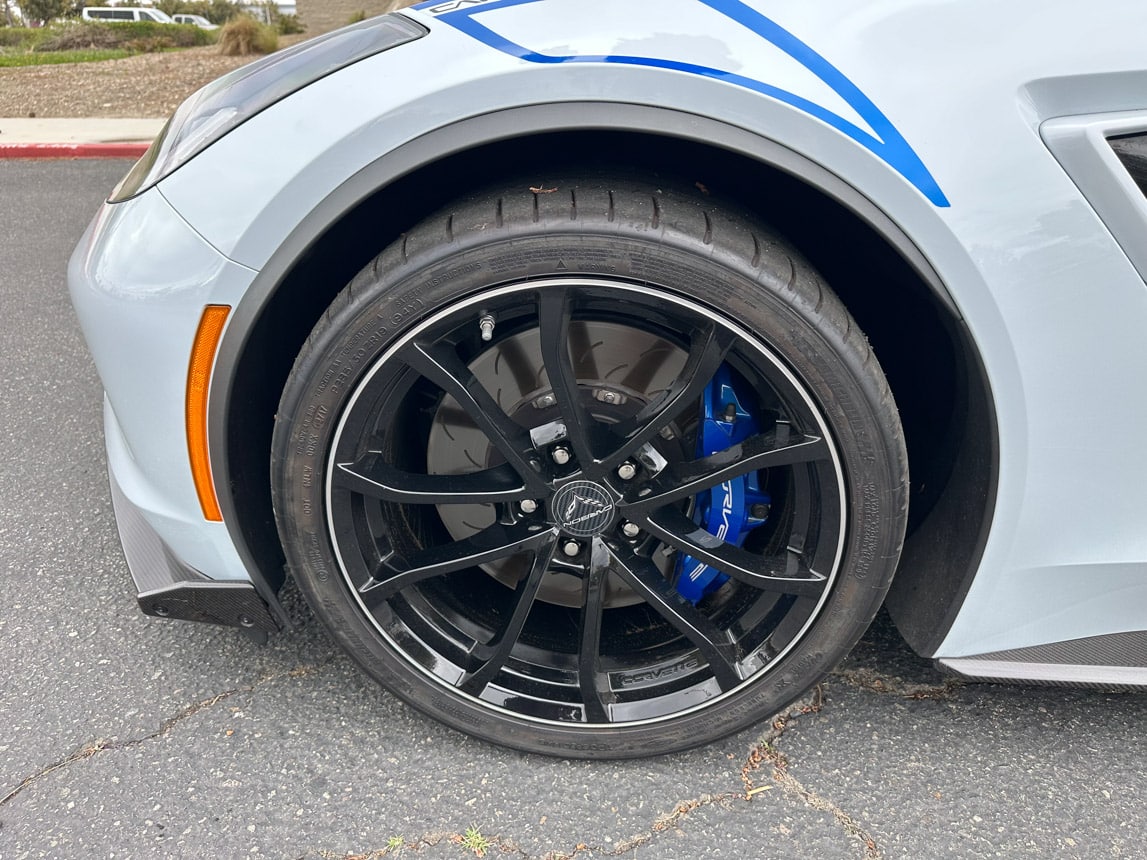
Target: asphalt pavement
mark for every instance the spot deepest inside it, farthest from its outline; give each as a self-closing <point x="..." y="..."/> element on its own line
<point x="128" y="736"/>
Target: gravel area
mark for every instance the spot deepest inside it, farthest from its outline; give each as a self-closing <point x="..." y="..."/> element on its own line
<point x="146" y="85"/>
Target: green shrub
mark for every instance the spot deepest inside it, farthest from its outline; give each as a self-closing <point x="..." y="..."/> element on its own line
<point x="189" y="36"/>
<point x="180" y="35"/>
<point x="288" y="25"/>
<point x="130" y="35"/>
<point x="84" y="36"/>
<point x="355" y="17"/>
<point x="244" y="35"/>
<point x="18" y="37"/>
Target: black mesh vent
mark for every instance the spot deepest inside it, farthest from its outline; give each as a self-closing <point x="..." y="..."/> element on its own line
<point x="1132" y="151"/>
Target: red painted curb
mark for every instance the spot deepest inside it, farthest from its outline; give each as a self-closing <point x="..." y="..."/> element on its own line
<point x="72" y="150"/>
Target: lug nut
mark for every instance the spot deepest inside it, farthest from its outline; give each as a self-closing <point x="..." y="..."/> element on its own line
<point x="528" y="506"/>
<point x="606" y="395"/>
<point x="630" y="530"/>
<point x="560" y="455"/>
<point x="571" y="548"/>
<point x="626" y="471"/>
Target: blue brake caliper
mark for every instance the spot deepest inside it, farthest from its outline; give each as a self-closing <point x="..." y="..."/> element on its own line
<point x="728" y="509"/>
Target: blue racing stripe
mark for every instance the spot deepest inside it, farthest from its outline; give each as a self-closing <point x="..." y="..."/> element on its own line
<point x="888" y="144"/>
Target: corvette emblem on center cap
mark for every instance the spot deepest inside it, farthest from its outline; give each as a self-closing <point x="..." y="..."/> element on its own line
<point x="582" y="509"/>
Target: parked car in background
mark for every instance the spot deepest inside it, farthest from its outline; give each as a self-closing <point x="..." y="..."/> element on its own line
<point x="119" y="14"/>
<point x="598" y="375"/>
<point x="198" y="20"/>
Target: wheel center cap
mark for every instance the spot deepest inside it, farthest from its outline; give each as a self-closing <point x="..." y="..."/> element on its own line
<point x="582" y="509"/>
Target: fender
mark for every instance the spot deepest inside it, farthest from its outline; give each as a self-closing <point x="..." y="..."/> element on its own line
<point x="424" y="152"/>
<point x="884" y="140"/>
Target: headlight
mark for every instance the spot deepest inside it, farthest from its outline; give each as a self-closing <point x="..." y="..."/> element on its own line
<point x="233" y="99"/>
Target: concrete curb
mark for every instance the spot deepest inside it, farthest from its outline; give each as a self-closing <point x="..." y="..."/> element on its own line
<point x="72" y="150"/>
<point x="77" y="137"/>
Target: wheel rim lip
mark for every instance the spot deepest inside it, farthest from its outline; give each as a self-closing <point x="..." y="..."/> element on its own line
<point x="493" y="293"/>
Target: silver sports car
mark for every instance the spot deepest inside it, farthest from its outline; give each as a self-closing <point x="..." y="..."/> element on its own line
<point x="597" y="369"/>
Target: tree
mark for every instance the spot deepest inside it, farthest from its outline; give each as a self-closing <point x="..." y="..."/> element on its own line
<point x="44" y="11"/>
<point x="215" y="11"/>
<point x="222" y="11"/>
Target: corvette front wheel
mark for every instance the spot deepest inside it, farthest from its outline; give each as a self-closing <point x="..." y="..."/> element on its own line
<point x="597" y="471"/>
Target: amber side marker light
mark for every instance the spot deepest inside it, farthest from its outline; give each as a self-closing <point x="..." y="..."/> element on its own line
<point x="198" y="382"/>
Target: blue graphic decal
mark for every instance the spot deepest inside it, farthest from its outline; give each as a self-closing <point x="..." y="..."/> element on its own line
<point x="887" y="143"/>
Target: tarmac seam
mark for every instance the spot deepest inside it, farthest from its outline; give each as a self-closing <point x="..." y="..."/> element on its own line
<point x="166" y="727"/>
<point x="503" y="845"/>
<point x="766" y="753"/>
<point x="761" y="752"/>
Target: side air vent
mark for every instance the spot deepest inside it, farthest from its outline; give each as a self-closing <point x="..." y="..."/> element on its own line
<point x="1132" y="151"/>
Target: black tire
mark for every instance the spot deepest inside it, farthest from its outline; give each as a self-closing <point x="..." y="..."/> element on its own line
<point x="398" y="418"/>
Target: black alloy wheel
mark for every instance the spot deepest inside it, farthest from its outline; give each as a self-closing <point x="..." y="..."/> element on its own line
<point x="495" y="481"/>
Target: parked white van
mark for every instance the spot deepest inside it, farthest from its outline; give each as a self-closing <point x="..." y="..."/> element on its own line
<point x="198" y="20"/>
<point x="125" y="13"/>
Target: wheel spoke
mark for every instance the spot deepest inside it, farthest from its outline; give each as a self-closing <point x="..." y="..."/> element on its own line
<point x="786" y="574"/>
<point x="763" y="451"/>
<point x="592" y="682"/>
<point x="490" y="544"/>
<point x="494" y="654"/>
<point x="441" y="365"/>
<point x="373" y="477"/>
<point x="644" y="578"/>
<point x="554" y="315"/>
<point x="707" y="351"/>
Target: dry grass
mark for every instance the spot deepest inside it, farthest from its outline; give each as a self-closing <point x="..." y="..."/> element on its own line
<point x="244" y="35"/>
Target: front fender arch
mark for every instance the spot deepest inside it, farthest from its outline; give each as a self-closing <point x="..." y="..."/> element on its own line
<point x="302" y="276"/>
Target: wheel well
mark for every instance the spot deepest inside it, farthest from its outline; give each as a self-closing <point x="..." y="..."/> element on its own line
<point x="925" y="351"/>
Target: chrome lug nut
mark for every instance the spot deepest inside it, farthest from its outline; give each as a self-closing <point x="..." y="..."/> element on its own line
<point x="606" y="395"/>
<point x="528" y="506"/>
<point x="626" y="471"/>
<point x="560" y="455"/>
<point x="571" y="548"/>
<point x="630" y="530"/>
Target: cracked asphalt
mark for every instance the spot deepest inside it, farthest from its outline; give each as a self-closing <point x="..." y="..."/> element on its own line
<point x="126" y="736"/>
